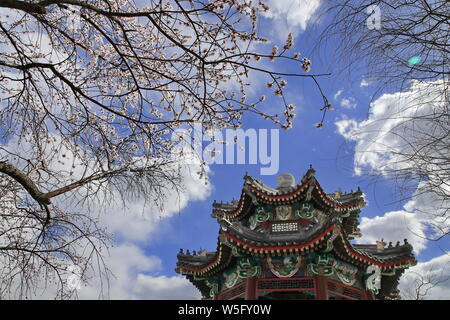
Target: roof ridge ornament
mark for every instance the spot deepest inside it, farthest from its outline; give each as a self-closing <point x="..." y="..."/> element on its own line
<point x="380" y="245"/>
<point x="309" y="174"/>
<point x="225" y="218"/>
<point x="285" y="181"/>
<point x="337" y="194"/>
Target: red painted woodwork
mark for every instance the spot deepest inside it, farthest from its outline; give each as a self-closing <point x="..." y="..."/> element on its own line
<point x="370" y="295"/>
<point x="250" y="289"/>
<point x="297" y="246"/>
<point x="304" y="279"/>
<point x="321" y="287"/>
<point x="344" y="291"/>
<point x="233" y="292"/>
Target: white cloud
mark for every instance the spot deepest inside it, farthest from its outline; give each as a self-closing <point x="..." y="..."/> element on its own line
<point x="396" y="128"/>
<point x="291" y="15"/>
<point x="434" y="275"/>
<point x="140" y="220"/>
<point x="136" y="277"/>
<point x="133" y="227"/>
<point x="348" y="103"/>
<point x="393" y="126"/>
<point x="346" y="128"/>
<point x="337" y="94"/>
<point x="392" y="227"/>
<point x="137" y="225"/>
<point x="364" y="83"/>
<point x="167" y="288"/>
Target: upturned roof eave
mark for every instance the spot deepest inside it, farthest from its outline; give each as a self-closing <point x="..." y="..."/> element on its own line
<point x="345" y="250"/>
<point x="252" y="191"/>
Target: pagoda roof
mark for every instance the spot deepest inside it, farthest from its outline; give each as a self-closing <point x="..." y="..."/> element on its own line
<point x="301" y="242"/>
<point x="384" y="254"/>
<point x="204" y="265"/>
<point x="386" y="258"/>
<point x="256" y="192"/>
<point x="259" y="243"/>
<point x="250" y="241"/>
<point x="331" y="230"/>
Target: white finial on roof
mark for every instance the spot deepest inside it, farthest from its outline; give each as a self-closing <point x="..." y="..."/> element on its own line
<point x="285" y="180"/>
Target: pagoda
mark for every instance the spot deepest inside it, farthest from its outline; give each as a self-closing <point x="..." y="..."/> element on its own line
<point x="293" y="242"/>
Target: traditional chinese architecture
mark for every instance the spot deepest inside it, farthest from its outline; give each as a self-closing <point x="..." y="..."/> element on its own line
<point x="293" y="242"/>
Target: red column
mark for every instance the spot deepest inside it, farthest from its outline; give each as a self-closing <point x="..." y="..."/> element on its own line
<point x="370" y="295"/>
<point x="321" y="287"/>
<point x="250" y="289"/>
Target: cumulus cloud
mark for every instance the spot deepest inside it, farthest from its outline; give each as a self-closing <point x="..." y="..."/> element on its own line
<point x="292" y="15"/>
<point x="163" y="287"/>
<point x="364" y="83"/>
<point x="139" y="221"/>
<point x="427" y="280"/>
<point x="393" y="127"/>
<point x="396" y="130"/>
<point x="392" y="227"/>
<point x="348" y="103"/>
<point x="136" y="276"/>
<point x="346" y="127"/>
<point x="337" y="94"/>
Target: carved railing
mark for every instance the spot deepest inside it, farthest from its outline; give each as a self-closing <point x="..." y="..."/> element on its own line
<point x="233" y="292"/>
<point x="293" y="285"/>
<point x="287" y="284"/>
<point x="344" y="291"/>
